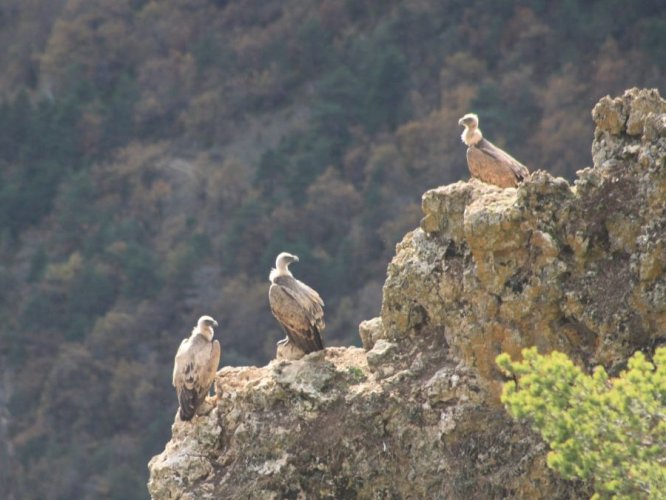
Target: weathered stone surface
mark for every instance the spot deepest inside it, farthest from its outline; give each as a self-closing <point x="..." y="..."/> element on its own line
<point x="181" y="464"/>
<point x="370" y="331"/>
<point x="609" y="115"/>
<point x="415" y="414"/>
<point x="640" y="104"/>
<point x="288" y="351"/>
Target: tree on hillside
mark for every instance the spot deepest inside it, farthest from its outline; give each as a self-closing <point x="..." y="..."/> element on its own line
<point x="610" y="431"/>
<point x="155" y="157"/>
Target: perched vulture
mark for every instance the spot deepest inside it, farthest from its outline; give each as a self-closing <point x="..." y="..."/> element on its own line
<point x="296" y="306"/>
<point x="195" y="366"/>
<point x="486" y="161"/>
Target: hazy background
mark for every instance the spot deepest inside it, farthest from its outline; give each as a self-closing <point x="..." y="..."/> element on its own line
<point x="155" y="156"/>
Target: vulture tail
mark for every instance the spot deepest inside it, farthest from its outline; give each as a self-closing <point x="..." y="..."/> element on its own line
<point x="188" y="404"/>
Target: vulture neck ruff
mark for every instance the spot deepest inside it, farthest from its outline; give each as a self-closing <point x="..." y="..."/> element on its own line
<point x="471" y="136"/>
<point x="203" y="330"/>
<point x="281" y="269"/>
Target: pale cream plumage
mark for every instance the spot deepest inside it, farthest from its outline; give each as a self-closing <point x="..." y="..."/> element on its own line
<point x="195" y="366"/>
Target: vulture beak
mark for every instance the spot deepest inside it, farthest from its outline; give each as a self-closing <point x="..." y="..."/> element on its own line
<point x="461" y="122"/>
<point x="215" y="323"/>
<point x="295" y="258"/>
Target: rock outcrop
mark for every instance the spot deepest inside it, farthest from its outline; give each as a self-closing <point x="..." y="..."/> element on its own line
<point x="415" y="413"/>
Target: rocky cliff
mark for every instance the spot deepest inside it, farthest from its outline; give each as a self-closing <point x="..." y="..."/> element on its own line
<point x="415" y="412"/>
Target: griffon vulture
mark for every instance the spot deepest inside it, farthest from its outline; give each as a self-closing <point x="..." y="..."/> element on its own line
<point x="195" y="366"/>
<point x="296" y="306"/>
<point x="486" y="161"/>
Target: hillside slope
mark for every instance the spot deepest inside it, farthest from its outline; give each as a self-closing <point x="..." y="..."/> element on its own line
<point x="415" y="413"/>
<point x="156" y="155"/>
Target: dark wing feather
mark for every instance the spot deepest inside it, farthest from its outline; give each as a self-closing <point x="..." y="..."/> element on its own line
<point x="299" y="310"/>
<point x="188" y="395"/>
<point x="311" y="293"/>
<point x="493" y="165"/>
<point x="187" y="403"/>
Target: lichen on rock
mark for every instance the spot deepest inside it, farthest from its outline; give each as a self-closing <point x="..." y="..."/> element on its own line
<point x="415" y="412"/>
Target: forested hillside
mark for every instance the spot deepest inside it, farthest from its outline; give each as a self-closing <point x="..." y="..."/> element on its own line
<point x="155" y="156"/>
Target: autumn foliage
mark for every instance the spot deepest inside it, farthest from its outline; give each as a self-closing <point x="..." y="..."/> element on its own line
<point x="155" y="156"/>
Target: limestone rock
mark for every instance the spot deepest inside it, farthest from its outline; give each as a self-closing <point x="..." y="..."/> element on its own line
<point x="609" y="115"/>
<point x="370" y="332"/>
<point x="415" y="413"/>
<point x="383" y="352"/>
<point x="288" y="351"/>
<point x="640" y="104"/>
<point x="180" y="467"/>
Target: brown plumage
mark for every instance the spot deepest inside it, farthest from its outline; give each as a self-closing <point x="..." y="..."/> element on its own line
<point x="195" y="366"/>
<point x="486" y="161"/>
<point x="297" y="307"/>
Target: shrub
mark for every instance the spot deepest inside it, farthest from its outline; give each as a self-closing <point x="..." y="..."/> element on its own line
<point x="610" y="431"/>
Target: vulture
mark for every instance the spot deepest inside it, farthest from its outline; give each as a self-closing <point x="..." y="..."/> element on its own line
<point x="297" y="307"/>
<point x="486" y="161"/>
<point x="195" y="366"/>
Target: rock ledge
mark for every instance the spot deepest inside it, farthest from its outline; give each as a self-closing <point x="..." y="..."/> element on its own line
<point x="415" y="414"/>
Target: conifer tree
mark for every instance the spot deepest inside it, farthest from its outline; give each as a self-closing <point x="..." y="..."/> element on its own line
<point x="608" y="430"/>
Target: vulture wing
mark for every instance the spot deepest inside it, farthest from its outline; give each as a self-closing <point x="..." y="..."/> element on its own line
<point x="194" y="371"/>
<point x="299" y="309"/>
<point x="493" y="165"/>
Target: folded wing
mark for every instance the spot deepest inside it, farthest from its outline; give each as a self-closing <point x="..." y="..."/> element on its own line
<point x="299" y="309"/>
<point x="493" y="165"/>
<point x="194" y="371"/>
